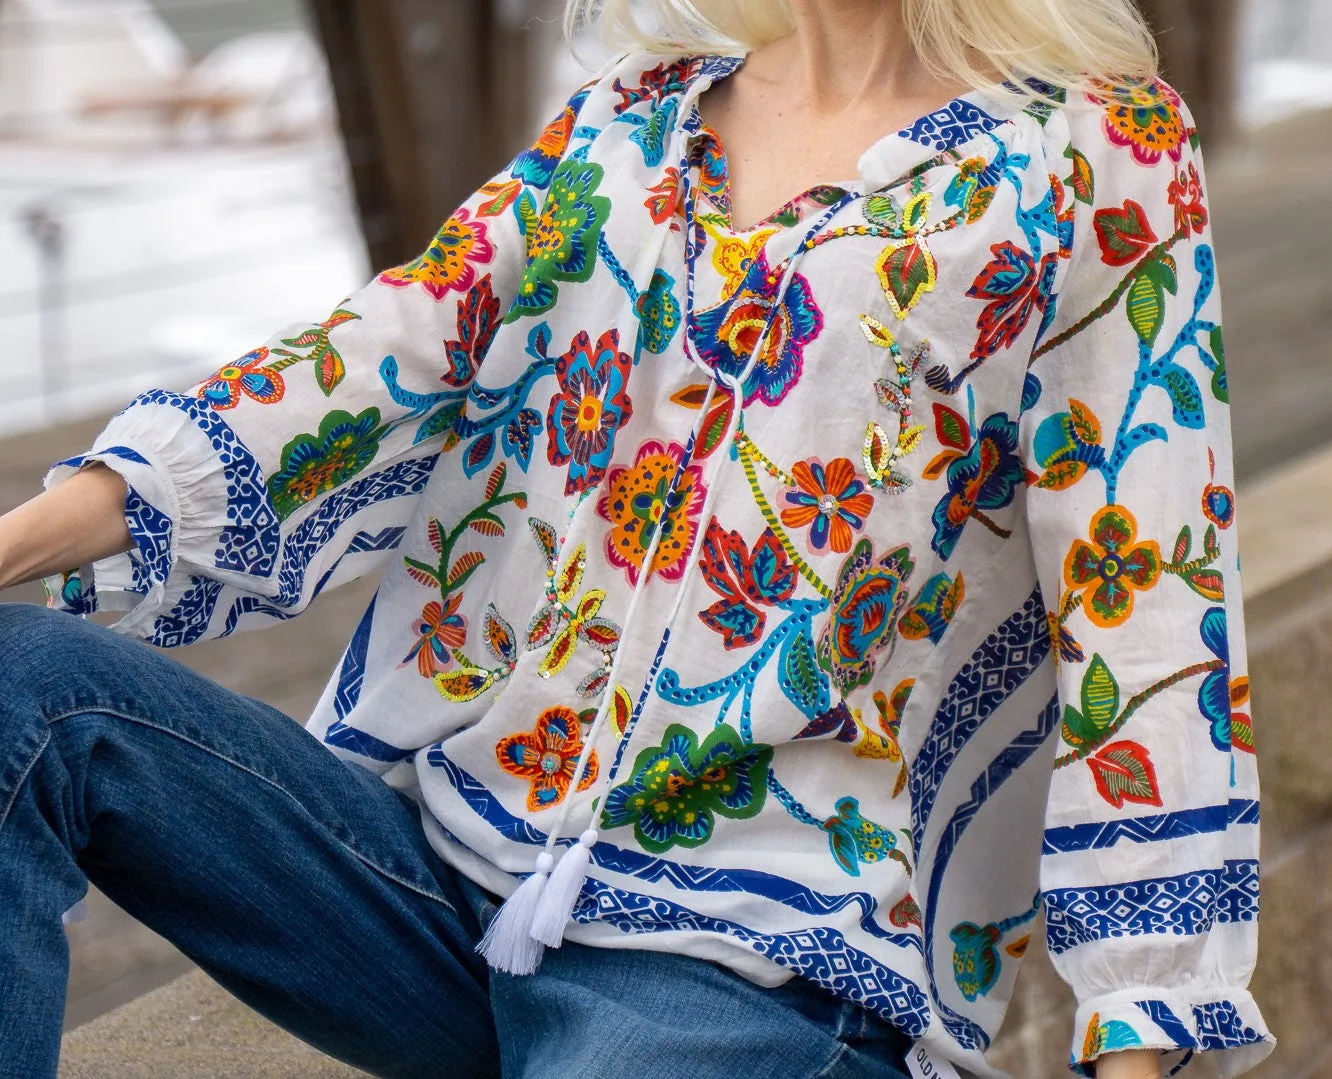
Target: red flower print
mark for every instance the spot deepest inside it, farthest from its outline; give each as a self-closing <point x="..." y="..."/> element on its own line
<point x="1016" y="286"/>
<point x="439" y="630"/>
<point x="249" y="376"/>
<point x="1186" y="196"/>
<point x="831" y="500"/>
<point x="547" y="757"/>
<point x="664" y="200"/>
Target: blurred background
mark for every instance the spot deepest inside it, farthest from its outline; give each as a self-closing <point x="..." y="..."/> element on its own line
<point x="178" y="178"/>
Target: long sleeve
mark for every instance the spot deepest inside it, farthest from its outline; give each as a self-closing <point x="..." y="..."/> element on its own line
<point x="296" y="466"/>
<point x="1150" y="858"/>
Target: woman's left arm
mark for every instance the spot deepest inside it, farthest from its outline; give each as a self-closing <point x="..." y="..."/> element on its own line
<point x="1149" y="868"/>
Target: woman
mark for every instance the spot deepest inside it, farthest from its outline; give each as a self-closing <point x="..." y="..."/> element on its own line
<point x="778" y="611"/>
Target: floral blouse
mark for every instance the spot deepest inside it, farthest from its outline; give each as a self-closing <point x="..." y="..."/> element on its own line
<point x="866" y="579"/>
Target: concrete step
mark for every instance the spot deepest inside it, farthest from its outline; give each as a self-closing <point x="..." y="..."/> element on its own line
<point x="190" y="1029"/>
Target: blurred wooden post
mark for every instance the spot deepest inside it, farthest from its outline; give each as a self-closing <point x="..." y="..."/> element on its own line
<point x="1199" y="42"/>
<point x="415" y="82"/>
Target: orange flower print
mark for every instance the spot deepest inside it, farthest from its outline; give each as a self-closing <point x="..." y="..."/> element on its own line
<point x="1112" y="567"/>
<point x="547" y="756"/>
<point x="449" y="263"/>
<point x="247" y="376"/>
<point x="830" y="500"/>
<point x="1147" y="120"/>
<point x="638" y="499"/>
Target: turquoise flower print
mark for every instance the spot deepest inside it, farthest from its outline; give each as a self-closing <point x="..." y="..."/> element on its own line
<point x="561" y="237"/>
<point x="854" y="840"/>
<point x="869" y="598"/>
<point x="591" y="406"/>
<point x="650" y="132"/>
<point x="726" y="335"/>
<point x="315" y="463"/>
<point x="976" y="958"/>
<point x="1219" y="696"/>
<point x="659" y="314"/>
<point x="982" y="469"/>
<point x="679" y="787"/>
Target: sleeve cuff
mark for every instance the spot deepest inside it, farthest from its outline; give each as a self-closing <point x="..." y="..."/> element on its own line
<point x="179" y="511"/>
<point x="1226" y="1023"/>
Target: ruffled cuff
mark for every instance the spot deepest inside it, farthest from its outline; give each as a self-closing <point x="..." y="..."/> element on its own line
<point x="189" y="509"/>
<point x="1226" y="1022"/>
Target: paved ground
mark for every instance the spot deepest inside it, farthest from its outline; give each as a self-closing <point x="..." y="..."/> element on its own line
<point x="1274" y="229"/>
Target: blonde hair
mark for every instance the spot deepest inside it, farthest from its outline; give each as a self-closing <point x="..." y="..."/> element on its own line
<point x="1077" y="45"/>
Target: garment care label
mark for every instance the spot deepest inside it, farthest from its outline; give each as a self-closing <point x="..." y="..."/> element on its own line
<point x="924" y="1066"/>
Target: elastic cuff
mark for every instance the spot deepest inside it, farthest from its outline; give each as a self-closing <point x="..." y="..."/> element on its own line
<point x="1225" y="1022"/>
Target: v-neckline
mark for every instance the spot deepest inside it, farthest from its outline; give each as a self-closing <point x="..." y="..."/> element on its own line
<point x="715" y="186"/>
<point x="893" y="155"/>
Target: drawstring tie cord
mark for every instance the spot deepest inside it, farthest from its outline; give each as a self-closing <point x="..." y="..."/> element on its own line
<point x="536" y="914"/>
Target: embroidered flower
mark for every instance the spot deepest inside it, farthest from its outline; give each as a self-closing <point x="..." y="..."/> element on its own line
<point x="679" y="787"/>
<point x="982" y="477"/>
<point x="1112" y="567"/>
<point x="561" y="237"/>
<point x="637" y="500"/>
<point x="1219" y="696"/>
<point x="547" y="756"/>
<point x="315" y="463"/>
<point x="449" y="263"/>
<point x="869" y="597"/>
<point x="727" y="334"/>
<point x="831" y="501"/>
<point x="249" y="376"/>
<point x="591" y="406"/>
<point x="1147" y="119"/>
<point x="440" y="630"/>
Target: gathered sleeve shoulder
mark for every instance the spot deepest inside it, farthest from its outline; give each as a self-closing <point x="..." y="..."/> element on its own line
<point x="1150" y="859"/>
<point x="296" y="466"/>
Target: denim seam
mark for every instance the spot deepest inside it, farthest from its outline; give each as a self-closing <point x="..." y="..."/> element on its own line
<point x="833" y="1061"/>
<point x="250" y="771"/>
<point x="23" y="778"/>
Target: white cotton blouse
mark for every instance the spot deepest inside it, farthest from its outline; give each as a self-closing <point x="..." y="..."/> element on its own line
<point x="857" y="585"/>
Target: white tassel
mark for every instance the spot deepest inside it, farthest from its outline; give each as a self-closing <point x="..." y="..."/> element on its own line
<point x="562" y="891"/>
<point x="508" y="945"/>
<point x="77" y="913"/>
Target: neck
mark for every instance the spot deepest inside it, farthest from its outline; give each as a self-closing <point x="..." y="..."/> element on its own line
<point x="842" y="52"/>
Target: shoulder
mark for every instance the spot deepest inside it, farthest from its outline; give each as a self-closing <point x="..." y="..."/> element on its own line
<point x="1127" y="124"/>
<point x="651" y="78"/>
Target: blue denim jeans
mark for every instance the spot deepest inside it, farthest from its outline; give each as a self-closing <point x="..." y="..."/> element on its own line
<point x="305" y="886"/>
